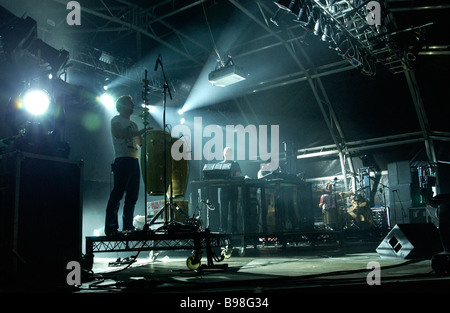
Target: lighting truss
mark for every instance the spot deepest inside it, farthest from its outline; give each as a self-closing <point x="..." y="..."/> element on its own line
<point x="345" y="26"/>
<point x="117" y="67"/>
<point x="105" y="62"/>
<point x="350" y="17"/>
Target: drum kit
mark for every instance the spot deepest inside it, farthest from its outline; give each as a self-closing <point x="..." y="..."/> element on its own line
<point x="350" y="211"/>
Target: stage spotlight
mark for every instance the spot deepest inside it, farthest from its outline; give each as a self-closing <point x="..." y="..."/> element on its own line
<point x="107" y="100"/>
<point x="181" y="111"/>
<point x="227" y="75"/>
<point x="106" y="84"/>
<point x="318" y="27"/>
<point x="36" y="101"/>
<point x="106" y="58"/>
<point x="326" y="32"/>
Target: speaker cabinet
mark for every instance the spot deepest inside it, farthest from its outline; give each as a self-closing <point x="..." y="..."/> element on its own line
<point x="411" y="241"/>
<point x="41" y="211"/>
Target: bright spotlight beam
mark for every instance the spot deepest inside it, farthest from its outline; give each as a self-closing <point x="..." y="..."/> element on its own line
<point x="107" y="101"/>
<point x="36" y="101"/>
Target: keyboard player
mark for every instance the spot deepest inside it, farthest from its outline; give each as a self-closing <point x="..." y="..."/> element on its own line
<point x="229" y="196"/>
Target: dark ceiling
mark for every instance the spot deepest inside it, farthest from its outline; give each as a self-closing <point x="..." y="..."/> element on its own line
<point x="287" y="64"/>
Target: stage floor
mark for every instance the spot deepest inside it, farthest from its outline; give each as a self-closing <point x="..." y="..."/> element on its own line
<point x="270" y="278"/>
<point x="269" y="270"/>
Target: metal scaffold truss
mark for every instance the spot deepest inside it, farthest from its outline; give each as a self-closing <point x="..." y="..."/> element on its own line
<point x="134" y="242"/>
<point x="359" y="31"/>
<point x="364" y="40"/>
<point x="196" y="241"/>
<point x="363" y="34"/>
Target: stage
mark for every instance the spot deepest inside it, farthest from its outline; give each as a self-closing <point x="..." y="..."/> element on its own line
<point x="268" y="276"/>
<point x="266" y="268"/>
<point x="245" y="129"/>
<point x="270" y="272"/>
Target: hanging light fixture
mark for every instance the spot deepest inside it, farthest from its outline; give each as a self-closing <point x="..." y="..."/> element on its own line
<point x="318" y="27"/>
<point x="327" y="29"/>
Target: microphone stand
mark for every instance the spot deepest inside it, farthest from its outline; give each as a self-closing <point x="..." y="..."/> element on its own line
<point x="168" y="214"/>
<point x="388" y="218"/>
<point x="145" y="116"/>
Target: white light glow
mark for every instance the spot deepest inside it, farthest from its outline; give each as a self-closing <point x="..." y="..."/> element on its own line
<point x="151" y="108"/>
<point x="107" y="101"/>
<point x="36" y="101"/>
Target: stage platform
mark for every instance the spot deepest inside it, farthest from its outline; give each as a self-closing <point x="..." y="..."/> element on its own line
<point x="336" y="263"/>
<point x="214" y="247"/>
<point x="324" y="276"/>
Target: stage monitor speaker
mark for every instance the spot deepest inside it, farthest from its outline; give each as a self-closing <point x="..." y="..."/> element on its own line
<point x="41" y="209"/>
<point x="411" y="241"/>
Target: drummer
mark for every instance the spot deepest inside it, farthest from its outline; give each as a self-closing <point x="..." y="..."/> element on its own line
<point x="329" y="209"/>
<point x="126" y="138"/>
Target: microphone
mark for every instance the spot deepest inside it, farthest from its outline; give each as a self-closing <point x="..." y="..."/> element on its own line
<point x="158" y="60"/>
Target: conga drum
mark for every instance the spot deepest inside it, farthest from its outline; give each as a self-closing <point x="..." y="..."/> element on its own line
<point x="153" y="148"/>
<point x="179" y="177"/>
<point x="180" y="171"/>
